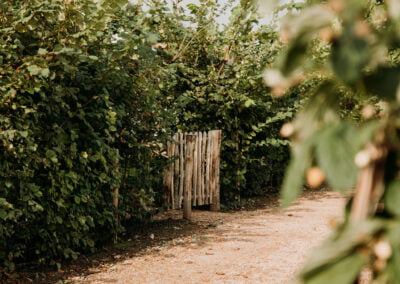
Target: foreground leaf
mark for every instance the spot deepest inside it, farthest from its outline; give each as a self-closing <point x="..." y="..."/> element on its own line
<point x="294" y="177"/>
<point x="384" y="82"/>
<point x="335" y="153"/>
<point x="341" y="244"/>
<point x="392" y="197"/>
<point x="345" y="271"/>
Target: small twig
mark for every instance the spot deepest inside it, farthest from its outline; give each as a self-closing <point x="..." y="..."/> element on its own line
<point x="369" y="186"/>
<point x="226" y="58"/>
<point x="362" y="194"/>
<point x="182" y="48"/>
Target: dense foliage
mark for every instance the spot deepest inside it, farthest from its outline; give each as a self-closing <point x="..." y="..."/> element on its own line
<point x="75" y="101"/>
<point x="362" y="40"/>
<point x="218" y="84"/>
<point x="89" y="92"/>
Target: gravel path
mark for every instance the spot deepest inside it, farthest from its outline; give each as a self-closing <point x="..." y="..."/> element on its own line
<point x="261" y="246"/>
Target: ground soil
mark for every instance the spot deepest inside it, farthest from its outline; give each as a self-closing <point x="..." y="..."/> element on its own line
<point x="261" y="245"/>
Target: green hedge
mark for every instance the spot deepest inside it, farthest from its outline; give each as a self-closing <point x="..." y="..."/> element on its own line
<point x="217" y="83"/>
<point x="86" y="102"/>
<point x="72" y="104"/>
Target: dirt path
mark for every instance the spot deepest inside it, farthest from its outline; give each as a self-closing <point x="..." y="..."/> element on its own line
<point x="261" y="246"/>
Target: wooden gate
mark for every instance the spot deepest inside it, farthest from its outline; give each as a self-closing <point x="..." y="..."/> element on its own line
<point x="193" y="177"/>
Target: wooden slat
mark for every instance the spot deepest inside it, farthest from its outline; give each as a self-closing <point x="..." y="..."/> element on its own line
<point x="181" y="168"/>
<point x="194" y="172"/>
<point x="211" y="161"/>
<point x="195" y="165"/>
<point x="218" y="171"/>
<point x="176" y="172"/>
<point x="208" y="170"/>
<point x="204" y="167"/>
<point x="187" y="199"/>
<point x="198" y="169"/>
<point x="199" y="175"/>
<point x="171" y="154"/>
<point x="217" y="136"/>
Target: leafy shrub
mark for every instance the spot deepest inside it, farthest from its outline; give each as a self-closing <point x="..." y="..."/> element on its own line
<point x="215" y="82"/>
<point x="73" y="103"/>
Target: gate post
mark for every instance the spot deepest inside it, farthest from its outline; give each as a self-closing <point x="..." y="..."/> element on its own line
<point x="187" y="194"/>
<point x="215" y="164"/>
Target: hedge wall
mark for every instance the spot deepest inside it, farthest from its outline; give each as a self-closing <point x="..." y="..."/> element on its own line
<point x="73" y="103"/>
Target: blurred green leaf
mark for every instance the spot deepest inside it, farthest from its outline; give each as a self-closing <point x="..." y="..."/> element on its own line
<point x="335" y="152"/>
<point x="392" y="197"/>
<point x="350" y="54"/>
<point x="384" y="82"/>
<point x="393" y="233"/>
<point x="303" y="27"/>
<point x="293" y="181"/>
<point x="34" y="69"/>
<point x="340" y="245"/>
<point x="344" y="271"/>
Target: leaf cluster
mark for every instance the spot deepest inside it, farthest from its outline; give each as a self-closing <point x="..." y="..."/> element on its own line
<point x="77" y="119"/>
<point x="360" y="67"/>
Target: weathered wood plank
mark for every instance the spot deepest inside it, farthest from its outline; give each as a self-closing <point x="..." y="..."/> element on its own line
<point x="208" y="169"/>
<point x="171" y="154"/>
<point x="181" y="168"/>
<point x="212" y="165"/>
<point x="187" y="199"/>
<point x="217" y="137"/>
<point x="195" y="165"/>
<point x="204" y="168"/>
<point x="218" y="171"/>
<point x="176" y="172"/>
<point x="198" y="169"/>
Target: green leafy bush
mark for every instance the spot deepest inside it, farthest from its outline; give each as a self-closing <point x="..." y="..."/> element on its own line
<point x="90" y="91"/>
<point x="216" y="82"/>
<point x="74" y="101"/>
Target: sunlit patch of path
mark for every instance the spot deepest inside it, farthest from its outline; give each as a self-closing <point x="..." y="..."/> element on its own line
<point x="261" y="246"/>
